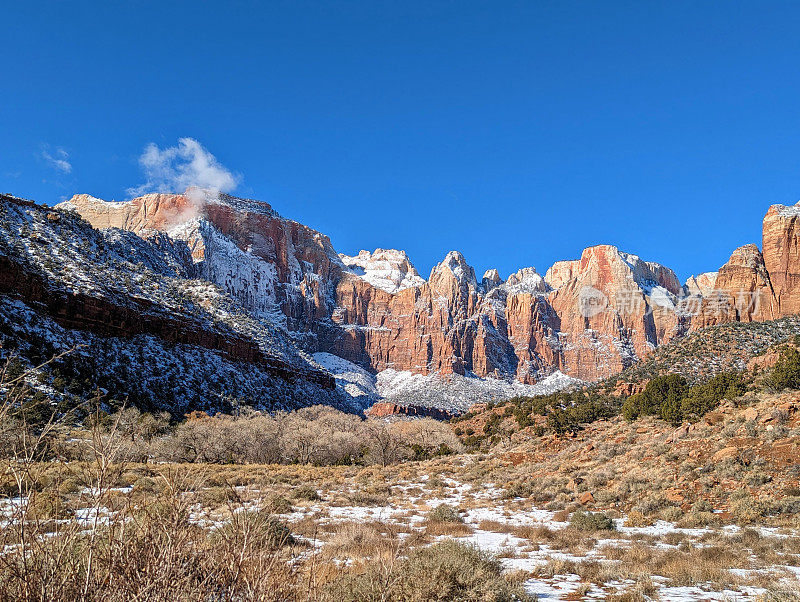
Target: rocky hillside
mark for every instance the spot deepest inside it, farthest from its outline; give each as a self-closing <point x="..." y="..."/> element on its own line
<point x="140" y="323"/>
<point x="707" y="352"/>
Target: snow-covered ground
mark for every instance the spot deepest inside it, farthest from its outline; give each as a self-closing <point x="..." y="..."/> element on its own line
<point x="452" y="392"/>
<point x="552" y="559"/>
<point x="490" y="519"/>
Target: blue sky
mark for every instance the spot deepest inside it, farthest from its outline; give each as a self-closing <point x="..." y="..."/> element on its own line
<point x="517" y="133"/>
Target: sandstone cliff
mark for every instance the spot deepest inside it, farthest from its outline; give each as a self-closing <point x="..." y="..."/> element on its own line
<point x="781" y="252"/>
<point x="590" y="317"/>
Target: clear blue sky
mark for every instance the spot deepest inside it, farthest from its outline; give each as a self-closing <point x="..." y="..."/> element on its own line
<point x="518" y="133"/>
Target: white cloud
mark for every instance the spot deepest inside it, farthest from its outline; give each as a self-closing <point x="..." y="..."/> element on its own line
<point x="175" y="168"/>
<point x="58" y="159"/>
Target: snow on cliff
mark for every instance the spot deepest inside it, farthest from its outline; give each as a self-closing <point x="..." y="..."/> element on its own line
<point x="387" y="269"/>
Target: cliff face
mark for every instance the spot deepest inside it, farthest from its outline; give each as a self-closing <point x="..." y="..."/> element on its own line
<point x="274" y="267"/>
<point x="613" y="308"/>
<point x="742" y="292"/>
<point x="384" y="409"/>
<point x="590" y="318"/>
<point x="757" y="285"/>
<point x="781" y="251"/>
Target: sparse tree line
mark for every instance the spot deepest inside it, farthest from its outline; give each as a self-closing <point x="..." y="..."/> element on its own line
<point x="671" y="398"/>
<point x="317" y="435"/>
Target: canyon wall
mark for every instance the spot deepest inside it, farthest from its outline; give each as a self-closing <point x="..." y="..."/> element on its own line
<point x="590" y="318"/>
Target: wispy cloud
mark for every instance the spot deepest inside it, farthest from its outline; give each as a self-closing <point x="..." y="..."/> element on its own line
<point x="57" y="159"/>
<point x="175" y="168"/>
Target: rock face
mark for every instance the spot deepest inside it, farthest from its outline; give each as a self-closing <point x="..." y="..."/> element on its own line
<point x="702" y="284"/>
<point x="384" y="409"/>
<point x="590" y="317"/>
<point x="273" y="266"/>
<point x="782" y="256"/>
<point x="491" y="279"/>
<point x="742" y="292"/>
<point x="613" y="308"/>
<point x="149" y="212"/>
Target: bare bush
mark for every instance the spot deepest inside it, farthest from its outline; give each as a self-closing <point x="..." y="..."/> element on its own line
<point x="318" y="435"/>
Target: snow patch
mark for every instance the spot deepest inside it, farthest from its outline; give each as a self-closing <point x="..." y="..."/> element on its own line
<point x="457" y="393"/>
<point x="787" y="210"/>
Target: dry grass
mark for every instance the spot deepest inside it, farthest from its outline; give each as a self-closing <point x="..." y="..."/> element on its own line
<point x="154" y="534"/>
<point x="438" y="529"/>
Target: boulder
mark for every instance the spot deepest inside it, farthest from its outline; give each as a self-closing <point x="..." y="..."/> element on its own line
<point x="726" y="453"/>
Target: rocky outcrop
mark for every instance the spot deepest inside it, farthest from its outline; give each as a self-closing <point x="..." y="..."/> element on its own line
<point x="613" y="308"/>
<point x="491" y="279"/>
<point x="387" y="269"/>
<point x="273" y="266"/>
<point x="429" y="328"/>
<point x="702" y="284"/>
<point x="526" y="280"/>
<point x="758" y="285"/>
<point x="64" y="285"/>
<point x="562" y="272"/>
<point x="148" y="212"/>
<point x="742" y="292"/>
<point x="101" y="316"/>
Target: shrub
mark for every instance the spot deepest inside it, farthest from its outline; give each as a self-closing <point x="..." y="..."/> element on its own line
<point x="255" y="529"/>
<point x="446" y="571"/>
<point x="747" y="509"/>
<point x="671" y="513"/>
<point x="705" y="397"/>
<point x="306" y="492"/>
<point x="518" y="489"/>
<point x="637" y="519"/>
<point x="278" y="504"/>
<point x="445" y="513"/>
<point x="670" y="398"/>
<point x="661" y="396"/>
<point x="786" y="373"/>
<point x="702" y="505"/>
<point x="779" y="593"/>
<point x="591" y="521"/>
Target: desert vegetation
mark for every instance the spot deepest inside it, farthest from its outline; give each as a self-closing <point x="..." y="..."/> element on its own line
<point x="101" y="502"/>
<point x="318" y="436"/>
<point x="672" y="399"/>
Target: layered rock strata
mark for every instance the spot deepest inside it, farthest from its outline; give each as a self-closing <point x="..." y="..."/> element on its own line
<point x="590" y="317"/>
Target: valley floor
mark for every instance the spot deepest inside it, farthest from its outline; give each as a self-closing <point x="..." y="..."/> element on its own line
<point x="620" y="511"/>
<point x="344" y="517"/>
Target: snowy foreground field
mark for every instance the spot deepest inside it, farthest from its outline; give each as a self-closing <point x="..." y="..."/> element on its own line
<point x="342" y="520"/>
<point x="552" y="559"/>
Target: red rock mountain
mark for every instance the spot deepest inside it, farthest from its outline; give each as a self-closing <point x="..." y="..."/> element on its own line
<point x="590" y="317"/>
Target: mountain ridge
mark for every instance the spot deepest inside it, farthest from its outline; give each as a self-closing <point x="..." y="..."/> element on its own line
<point x="589" y="318"/>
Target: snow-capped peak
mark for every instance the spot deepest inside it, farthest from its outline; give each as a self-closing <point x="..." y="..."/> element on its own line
<point x="526" y="280"/>
<point x="387" y="269"/>
<point x="702" y="284"/>
<point x="454" y="262"/>
<point x="787" y="210"/>
<point x="491" y="280"/>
